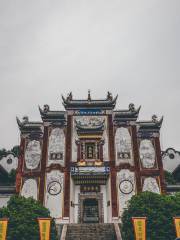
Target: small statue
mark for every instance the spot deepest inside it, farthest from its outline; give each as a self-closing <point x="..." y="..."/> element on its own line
<point x="154" y="118"/>
<point x="46" y="108"/>
<point x="25" y="119"/>
<point x="131" y="107"/>
<point x="109" y="96"/>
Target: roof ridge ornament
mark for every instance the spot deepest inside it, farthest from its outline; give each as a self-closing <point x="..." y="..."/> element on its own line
<point x="46" y="108"/>
<point x="69" y="97"/>
<point x="132" y="107"/>
<point x="109" y="96"/>
<point x="89" y="95"/>
<point x="154" y="118"/>
<point x="25" y="119"/>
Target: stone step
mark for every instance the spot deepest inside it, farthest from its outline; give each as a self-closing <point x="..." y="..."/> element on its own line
<point x="96" y="231"/>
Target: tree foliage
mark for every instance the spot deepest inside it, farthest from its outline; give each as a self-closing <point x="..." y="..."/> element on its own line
<point x="23" y="213"/>
<point x="169" y="178"/>
<point x="8" y="179"/>
<point x="159" y="210"/>
<point x="15" y="150"/>
<point x="177" y="176"/>
<point x="3" y="152"/>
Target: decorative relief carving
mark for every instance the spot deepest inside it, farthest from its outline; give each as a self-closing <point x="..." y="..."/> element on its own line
<point x="126" y="188"/>
<point x="33" y="154"/>
<point x="54" y="193"/>
<point x="30" y="189"/>
<point x="147" y="153"/>
<point x="54" y="188"/>
<point x="84" y="122"/>
<point x="89" y="121"/>
<point x="123" y="146"/>
<point x="56" y="146"/>
<point x="105" y="146"/>
<point x="150" y="184"/>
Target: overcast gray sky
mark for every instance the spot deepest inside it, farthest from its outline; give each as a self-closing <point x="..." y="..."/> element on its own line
<point x="48" y="48"/>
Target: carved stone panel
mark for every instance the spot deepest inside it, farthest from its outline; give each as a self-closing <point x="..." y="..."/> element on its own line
<point x="126" y="187"/>
<point x="33" y="155"/>
<point x="89" y="121"/>
<point x="30" y="188"/>
<point x="54" y="193"/>
<point x="123" y="144"/>
<point x="56" y="149"/>
<point x="105" y="146"/>
<point x="150" y="184"/>
<point x="147" y="153"/>
<point x="74" y="144"/>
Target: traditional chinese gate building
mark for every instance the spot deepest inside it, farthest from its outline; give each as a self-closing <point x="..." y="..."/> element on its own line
<point x="86" y="162"/>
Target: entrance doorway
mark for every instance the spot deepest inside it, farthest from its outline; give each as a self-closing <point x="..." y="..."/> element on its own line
<point x="90" y="210"/>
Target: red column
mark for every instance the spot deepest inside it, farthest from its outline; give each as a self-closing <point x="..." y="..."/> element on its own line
<point x="160" y="164"/>
<point x="136" y="159"/>
<point x="112" y="168"/>
<point x="67" y="168"/>
<point x="43" y="165"/>
<point x="20" y="164"/>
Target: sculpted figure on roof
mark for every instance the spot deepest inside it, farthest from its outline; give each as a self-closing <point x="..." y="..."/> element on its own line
<point x="70" y="97"/>
<point x="109" y="96"/>
<point x="46" y="108"/>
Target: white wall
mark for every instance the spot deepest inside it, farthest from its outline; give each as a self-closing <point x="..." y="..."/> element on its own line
<point x="103" y="191"/>
<point x="76" y="193"/>
<point x="9" y="162"/>
<point x="4" y="198"/>
<point x="72" y="199"/>
<point x="54" y="193"/>
<point x="171" y="159"/>
<point x="108" y="198"/>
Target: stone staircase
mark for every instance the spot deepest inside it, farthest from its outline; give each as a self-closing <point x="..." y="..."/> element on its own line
<point x="100" y="231"/>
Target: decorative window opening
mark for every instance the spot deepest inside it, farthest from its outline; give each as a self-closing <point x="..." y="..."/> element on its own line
<point x="56" y="156"/>
<point x="9" y="161"/>
<point x="90" y="150"/>
<point x="124" y="155"/>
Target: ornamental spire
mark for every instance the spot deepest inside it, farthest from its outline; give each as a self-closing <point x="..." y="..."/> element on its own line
<point x="89" y="95"/>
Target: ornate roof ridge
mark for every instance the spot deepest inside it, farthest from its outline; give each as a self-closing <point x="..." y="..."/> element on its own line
<point x="153" y="125"/>
<point x="170" y="148"/>
<point x="47" y="111"/>
<point x="26" y="122"/>
<point x="27" y="127"/>
<point x="57" y="117"/>
<point x="9" y="152"/>
<point x="108" y="102"/>
<point x="154" y="121"/>
<point x="129" y="110"/>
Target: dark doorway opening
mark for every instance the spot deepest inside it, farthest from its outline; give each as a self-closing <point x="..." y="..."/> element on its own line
<point x="90" y="210"/>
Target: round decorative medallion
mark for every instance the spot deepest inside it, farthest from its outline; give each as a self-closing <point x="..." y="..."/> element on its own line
<point x="54" y="188"/>
<point x="126" y="186"/>
<point x="171" y="156"/>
